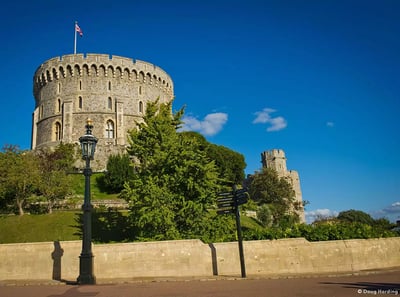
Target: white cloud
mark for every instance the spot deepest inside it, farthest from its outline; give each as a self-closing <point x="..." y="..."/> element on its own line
<point x="391" y="212"/>
<point x="393" y="208"/>
<point x="330" y="124"/>
<point x="312" y="215"/>
<point x="264" y="117"/>
<point x="210" y="125"/>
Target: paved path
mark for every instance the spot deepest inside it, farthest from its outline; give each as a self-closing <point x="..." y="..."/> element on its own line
<point x="374" y="284"/>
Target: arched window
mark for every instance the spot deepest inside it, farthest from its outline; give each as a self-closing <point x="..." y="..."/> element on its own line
<point x="80" y="85"/>
<point x="110" y="129"/>
<point x="140" y="90"/>
<point x="140" y="106"/>
<point x="59" y="105"/>
<point x="109" y="86"/>
<point x="58" y="132"/>
<point x="41" y="111"/>
<point x="80" y="102"/>
<point x="109" y="103"/>
<point x="59" y="88"/>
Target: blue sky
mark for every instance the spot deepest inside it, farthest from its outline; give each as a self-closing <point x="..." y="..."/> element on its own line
<point x="318" y="79"/>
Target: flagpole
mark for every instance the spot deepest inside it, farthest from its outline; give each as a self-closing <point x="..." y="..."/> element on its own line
<point x="75" y="37"/>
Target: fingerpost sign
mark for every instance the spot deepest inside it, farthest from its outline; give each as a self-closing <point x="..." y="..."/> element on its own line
<point x="228" y="203"/>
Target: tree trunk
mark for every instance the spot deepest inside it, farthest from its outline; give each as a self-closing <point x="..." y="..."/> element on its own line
<point x="50" y="207"/>
<point x="20" y="207"/>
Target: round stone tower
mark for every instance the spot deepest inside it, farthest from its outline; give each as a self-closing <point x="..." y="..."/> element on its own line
<point x="112" y="91"/>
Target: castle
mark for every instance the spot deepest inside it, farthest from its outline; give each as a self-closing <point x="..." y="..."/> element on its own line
<point x="276" y="160"/>
<point x="111" y="90"/>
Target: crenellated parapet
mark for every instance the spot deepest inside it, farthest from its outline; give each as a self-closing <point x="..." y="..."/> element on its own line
<point x="101" y="66"/>
<point x="275" y="159"/>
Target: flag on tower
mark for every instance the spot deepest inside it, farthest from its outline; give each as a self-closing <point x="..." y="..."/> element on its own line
<point x="78" y="29"/>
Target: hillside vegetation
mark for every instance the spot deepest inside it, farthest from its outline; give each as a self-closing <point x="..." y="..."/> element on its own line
<point x="169" y="193"/>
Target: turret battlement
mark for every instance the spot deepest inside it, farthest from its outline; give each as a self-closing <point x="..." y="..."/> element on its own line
<point x="275" y="159"/>
<point x="101" y="66"/>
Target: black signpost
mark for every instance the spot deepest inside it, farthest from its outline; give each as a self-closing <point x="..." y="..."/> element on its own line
<point x="228" y="203"/>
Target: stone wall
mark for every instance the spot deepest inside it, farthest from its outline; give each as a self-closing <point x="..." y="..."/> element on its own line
<point x="192" y="258"/>
<point x="276" y="159"/>
<point x="111" y="90"/>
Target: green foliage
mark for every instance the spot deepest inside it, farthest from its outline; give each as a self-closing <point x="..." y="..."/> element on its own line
<point x="230" y="164"/>
<point x="267" y="188"/>
<point x="249" y="205"/>
<point x="108" y="225"/>
<point x="217" y="228"/>
<point x="320" y="232"/>
<point x="383" y="224"/>
<point x="264" y="215"/>
<point x="355" y="216"/>
<point x="174" y="181"/>
<point x="30" y="175"/>
<point x="63" y="157"/>
<point x="19" y="176"/>
<point x="97" y="189"/>
<point x="54" y="165"/>
<point x="119" y="170"/>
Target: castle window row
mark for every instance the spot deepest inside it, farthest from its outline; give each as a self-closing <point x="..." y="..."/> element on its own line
<point x="59" y="106"/>
<point x="109" y="130"/>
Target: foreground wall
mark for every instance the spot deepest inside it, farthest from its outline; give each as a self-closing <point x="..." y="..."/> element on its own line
<point x="187" y="258"/>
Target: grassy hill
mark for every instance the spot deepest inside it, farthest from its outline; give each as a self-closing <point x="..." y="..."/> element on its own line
<point x="78" y="187"/>
<point x="65" y="225"/>
<point x="60" y="225"/>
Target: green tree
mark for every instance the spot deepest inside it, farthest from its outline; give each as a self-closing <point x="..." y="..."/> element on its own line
<point x="264" y="215"/>
<point x="230" y="164"/>
<point x="54" y="166"/>
<point x="19" y="176"/>
<point x="384" y="224"/>
<point x="6" y="196"/>
<point x="267" y="188"/>
<point x="119" y="170"/>
<point x="355" y="216"/>
<point x="174" y="184"/>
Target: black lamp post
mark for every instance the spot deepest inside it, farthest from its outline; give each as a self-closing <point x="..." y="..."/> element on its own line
<point x="88" y="145"/>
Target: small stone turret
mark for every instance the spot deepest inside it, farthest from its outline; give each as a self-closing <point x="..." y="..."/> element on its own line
<point x="276" y="160"/>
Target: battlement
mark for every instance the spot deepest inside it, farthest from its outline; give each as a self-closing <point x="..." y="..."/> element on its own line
<point x="272" y="157"/>
<point x="101" y="65"/>
<point x="275" y="153"/>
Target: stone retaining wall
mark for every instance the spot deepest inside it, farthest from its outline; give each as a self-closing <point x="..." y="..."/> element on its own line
<point x="193" y="258"/>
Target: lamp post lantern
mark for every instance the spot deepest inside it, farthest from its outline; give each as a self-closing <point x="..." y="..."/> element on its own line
<point x="88" y="146"/>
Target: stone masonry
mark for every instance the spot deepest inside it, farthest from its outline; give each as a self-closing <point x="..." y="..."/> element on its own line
<point x="276" y="159"/>
<point x="111" y="90"/>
